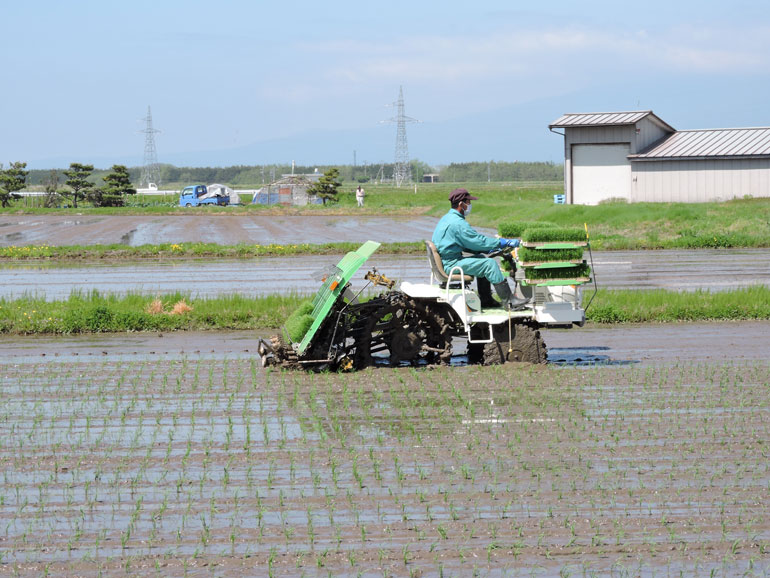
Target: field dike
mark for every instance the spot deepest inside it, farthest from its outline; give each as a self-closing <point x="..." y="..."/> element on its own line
<point x="94" y="312"/>
<point x="217" y="467"/>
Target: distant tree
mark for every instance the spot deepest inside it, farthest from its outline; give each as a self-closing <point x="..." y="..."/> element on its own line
<point x="51" y="188"/>
<point x="327" y="186"/>
<point x="77" y="181"/>
<point x="419" y="169"/>
<point x="12" y="179"/>
<point x="117" y="184"/>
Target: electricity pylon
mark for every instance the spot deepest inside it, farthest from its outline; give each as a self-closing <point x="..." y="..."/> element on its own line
<point x="150" y="170"/>
<point x="402" y="170"/>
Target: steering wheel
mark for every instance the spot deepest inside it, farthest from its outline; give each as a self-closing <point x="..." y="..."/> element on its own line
<point x="499" y="252"/>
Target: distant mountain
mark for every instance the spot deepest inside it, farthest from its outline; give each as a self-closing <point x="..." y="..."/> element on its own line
<point x="515" y="133"/>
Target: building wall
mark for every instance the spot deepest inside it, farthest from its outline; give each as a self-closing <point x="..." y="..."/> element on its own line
<point x="699" y="181"/>
<point x="649" y="133"/>
<point x="592" y="135"/>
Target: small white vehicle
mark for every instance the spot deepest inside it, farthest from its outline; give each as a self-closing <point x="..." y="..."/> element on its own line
<point x="418" y="322"/>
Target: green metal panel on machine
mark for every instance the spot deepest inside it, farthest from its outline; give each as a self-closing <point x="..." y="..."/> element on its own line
<point x="333" y="285"/>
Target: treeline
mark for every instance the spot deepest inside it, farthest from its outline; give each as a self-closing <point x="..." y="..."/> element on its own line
<point x="502" y="171"/>
<point x="246" y="176"/>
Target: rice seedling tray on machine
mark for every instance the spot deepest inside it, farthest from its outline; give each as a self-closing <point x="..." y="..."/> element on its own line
<point x="556" y="282"/>
<point x="554" y="244"/>
<point x="553" y="257"/>
<point x="551" y="264"/>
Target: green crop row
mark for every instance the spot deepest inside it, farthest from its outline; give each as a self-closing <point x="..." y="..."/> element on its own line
<point x="186" y="250"/>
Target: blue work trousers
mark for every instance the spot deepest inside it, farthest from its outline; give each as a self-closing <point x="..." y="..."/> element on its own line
<point x="477" y="266"/>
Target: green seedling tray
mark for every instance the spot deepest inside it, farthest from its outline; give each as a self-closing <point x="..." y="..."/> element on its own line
<point x="554" y="245"/>
<point x="556" y="282"/>
<point x="332" y="286"/>
<point x="551" y="264"/>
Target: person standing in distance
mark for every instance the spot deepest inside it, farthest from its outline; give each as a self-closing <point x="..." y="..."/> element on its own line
<point x="360" y="196"/>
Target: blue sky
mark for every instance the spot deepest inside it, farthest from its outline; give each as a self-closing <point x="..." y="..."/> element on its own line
<point x="253" y="82"/>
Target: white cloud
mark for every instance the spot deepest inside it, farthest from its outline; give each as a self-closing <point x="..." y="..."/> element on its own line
<point x="536" y="52"/>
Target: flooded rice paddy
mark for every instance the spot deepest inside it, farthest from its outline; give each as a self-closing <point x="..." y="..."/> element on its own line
<point x="178" y="454"/>
<point x="676" y="270"/>
<point x="221" y="229"/>
<point x="639" y="450"/>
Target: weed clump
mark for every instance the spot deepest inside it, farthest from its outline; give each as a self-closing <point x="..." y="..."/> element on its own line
<point x="155" y="307"/>
<point x="180" y="308"/>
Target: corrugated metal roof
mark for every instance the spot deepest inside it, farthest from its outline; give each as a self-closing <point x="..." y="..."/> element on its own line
<point x="727" y="142"/>
<point x="602" y="119"/>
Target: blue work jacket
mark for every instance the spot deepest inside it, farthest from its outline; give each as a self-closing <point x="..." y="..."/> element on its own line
<point x="453" y="234"/>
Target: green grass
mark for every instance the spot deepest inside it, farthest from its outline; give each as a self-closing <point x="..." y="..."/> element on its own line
<point x="626" y="306"/>
<point x="96" y="313"/>
<point x="191" y="250"/>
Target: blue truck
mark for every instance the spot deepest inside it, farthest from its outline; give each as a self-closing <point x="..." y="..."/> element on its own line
<point x="197" y="195"/>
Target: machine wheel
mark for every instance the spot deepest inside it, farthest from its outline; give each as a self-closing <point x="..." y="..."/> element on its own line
<point x="403" y="329"/>
<point x="526" y="345"/>
<point x="278" y="353"/>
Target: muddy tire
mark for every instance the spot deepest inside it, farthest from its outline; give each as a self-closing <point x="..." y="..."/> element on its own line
<point x="404" y="330"/>
<point x="525" y="345"/>
<point x="475" y="351"/>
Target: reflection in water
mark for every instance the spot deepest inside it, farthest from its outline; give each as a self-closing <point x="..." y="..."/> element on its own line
<point x="674" y="270"/>
<point x="584" y="357"/>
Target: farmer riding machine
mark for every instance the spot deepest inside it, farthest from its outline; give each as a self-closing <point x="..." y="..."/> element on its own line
<point x="418" y="323"/>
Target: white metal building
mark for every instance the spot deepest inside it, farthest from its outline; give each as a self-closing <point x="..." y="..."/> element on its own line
<point x="639" y="157"/>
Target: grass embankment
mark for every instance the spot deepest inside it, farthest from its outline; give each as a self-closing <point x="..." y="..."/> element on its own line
<point x="191" y="250"/>
<point x="95" y="313"/>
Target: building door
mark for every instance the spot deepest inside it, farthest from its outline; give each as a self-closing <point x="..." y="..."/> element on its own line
<point x="599" y="172"/>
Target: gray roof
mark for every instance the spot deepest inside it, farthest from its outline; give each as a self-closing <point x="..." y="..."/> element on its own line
<point x="586" y="119"/>
<point x="709" y="143"/>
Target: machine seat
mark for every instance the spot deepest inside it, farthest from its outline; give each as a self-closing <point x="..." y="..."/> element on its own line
<point x="437" y="269"/>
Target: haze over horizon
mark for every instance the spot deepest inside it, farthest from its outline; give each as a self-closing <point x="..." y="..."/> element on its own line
<point x="257" y="83"/>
